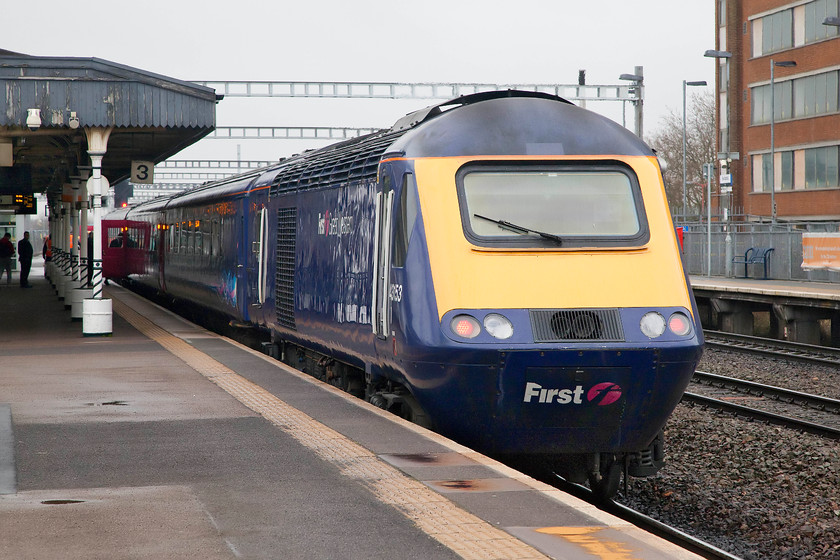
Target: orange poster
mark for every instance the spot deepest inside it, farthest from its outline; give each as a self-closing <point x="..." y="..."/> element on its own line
<point x="821" y="251"/>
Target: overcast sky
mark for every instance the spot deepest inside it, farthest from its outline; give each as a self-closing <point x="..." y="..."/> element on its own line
<point x="486" y="41"/>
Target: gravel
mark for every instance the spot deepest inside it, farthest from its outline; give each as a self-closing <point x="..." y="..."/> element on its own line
<point x="754" y="490"/>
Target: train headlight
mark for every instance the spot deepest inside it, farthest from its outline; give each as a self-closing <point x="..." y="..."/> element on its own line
<point x="679" y="324"/>
<point x="652" y="324"/>
<point x="465" y="326"/>
<point x="498" y="326"/>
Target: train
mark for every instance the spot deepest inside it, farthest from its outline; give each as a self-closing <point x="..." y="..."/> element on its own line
<point x="501" y="267"/>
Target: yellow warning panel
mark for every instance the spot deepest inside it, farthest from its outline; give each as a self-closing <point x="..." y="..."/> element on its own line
<point x="590" y="539"/>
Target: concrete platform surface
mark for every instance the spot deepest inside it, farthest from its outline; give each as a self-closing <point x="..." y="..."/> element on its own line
<point x="167" y="441"/>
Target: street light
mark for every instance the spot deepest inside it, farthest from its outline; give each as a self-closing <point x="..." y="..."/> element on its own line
<point x="725" y="55"/>
<point x="773" y="64"/>
<point x="685" y="83"/>
<point x="832" y="20"/>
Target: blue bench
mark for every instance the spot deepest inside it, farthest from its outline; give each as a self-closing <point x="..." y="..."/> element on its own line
<point x="754" y="255"/>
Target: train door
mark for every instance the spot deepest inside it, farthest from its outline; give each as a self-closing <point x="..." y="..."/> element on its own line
<point x="162" y="247"/>
<point x="243" y="255"/>
<point x="258" y="260"/>
<point x="382" y="257"/>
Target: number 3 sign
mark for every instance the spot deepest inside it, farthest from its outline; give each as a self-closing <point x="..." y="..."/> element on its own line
<point x="142" y="172"/>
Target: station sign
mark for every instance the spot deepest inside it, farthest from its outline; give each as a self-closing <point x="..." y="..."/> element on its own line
<point x="142" y="172"/>
<point x="20" y="203"/>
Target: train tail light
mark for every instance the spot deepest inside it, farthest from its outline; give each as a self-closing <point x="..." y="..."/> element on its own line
<point x="679" y="324"/>
<point x="465" y="326"/>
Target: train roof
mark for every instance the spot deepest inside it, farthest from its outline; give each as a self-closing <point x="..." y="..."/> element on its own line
<point x="516" y="123"/>
<point x="500" y="123"/>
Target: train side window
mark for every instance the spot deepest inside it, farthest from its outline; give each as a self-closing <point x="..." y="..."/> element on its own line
<point x="217" y="236"/>
<point x="199" y="239"/>
<point x="184" y="241"/>
<point x="133" y="238"/>
<point x="207" y="240"/>
<point x="174" y="237"/>
<point x="406" y="215"/>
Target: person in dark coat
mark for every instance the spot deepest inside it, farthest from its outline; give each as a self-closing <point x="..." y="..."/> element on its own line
<point x="25" y="257"/>
<point x="7" y="252"/>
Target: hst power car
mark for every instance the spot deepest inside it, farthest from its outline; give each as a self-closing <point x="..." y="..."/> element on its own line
<point x="501" y="267"/>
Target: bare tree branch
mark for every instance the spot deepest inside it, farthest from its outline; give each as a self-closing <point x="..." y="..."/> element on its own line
<point x="667" y="140"/>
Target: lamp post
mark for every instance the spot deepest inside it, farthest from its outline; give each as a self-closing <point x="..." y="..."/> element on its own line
<point x="685" y="83"/>
<point x="727" y="149"/>
<point x="773" y="64"/>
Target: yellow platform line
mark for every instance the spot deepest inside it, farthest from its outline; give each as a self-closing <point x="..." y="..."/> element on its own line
<point x="465" y="534"/>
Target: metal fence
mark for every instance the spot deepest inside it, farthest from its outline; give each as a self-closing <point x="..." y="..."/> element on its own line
<point x="705" y="258"/>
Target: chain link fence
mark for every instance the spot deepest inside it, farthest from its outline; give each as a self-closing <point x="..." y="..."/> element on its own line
<point x="710" y="253"/>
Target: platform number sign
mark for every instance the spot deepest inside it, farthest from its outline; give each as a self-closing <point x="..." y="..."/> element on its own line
<point x="143" y="172"/>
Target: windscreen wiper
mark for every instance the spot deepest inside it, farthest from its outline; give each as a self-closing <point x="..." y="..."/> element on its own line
<point x="520" y="229"/>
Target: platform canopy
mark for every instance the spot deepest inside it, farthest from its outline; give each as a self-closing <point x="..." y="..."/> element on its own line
<point x="151" y="116"/>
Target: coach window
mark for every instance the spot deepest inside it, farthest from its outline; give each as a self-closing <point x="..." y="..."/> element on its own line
<point x="216" y="236"/>
<point x="205" y="237"/>
<point x="544" y="206"/>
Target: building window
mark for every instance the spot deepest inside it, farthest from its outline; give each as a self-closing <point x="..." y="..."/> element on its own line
<point x="761" y="102"/>
<point x="815" y="14"/>
<point x="773" y="33"/>
<point x="821" y="168"/>
<point x="761" y="172"/>
<point x="800" y="98"/>
<point x="786" y="171"/>
<point x="816" y="95"/>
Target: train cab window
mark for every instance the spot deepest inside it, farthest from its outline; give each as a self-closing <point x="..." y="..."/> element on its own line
<point x="551" y="206"/>
<point x="114" y="237"/>
<point x="405" y="216"/>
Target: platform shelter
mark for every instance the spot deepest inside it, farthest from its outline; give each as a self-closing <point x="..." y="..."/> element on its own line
<point x="68" y="127"/>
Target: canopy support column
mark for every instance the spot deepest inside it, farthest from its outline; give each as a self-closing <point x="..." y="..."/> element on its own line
<point x="97" y="314"/>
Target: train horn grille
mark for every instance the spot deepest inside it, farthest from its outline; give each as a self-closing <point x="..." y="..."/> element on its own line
<point x="576" y="325"/>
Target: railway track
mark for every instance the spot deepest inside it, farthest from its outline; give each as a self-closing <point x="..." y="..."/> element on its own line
<point x="639" y="519"/>
<point x="793" y="409"/>
<point x="773" y="347"/>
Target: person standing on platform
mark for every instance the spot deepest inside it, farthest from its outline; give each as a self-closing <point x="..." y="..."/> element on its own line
<point x="7" y="252"/>
<point x="46" y="251"/>
<point x="25" y="257"/>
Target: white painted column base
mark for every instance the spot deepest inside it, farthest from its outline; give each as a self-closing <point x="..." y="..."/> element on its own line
<point x="97" y="317"/>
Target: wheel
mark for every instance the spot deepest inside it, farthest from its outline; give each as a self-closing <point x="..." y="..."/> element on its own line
<point x="411" y="410"/>
<point x="606" y="486"/>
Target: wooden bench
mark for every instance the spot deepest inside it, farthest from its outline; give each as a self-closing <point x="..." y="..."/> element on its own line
<point x="754" y="255"/>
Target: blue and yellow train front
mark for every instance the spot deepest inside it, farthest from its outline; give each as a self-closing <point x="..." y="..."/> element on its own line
<point x="556" y="317"/>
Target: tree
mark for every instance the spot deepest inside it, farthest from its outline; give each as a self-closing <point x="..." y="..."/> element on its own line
<point x="667" y="140"/>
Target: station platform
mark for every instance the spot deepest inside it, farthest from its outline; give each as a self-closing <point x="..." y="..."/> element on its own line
<point x="165" y="440"/>
<point x="806" y="312"/>
<point x="819" y="292"/>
